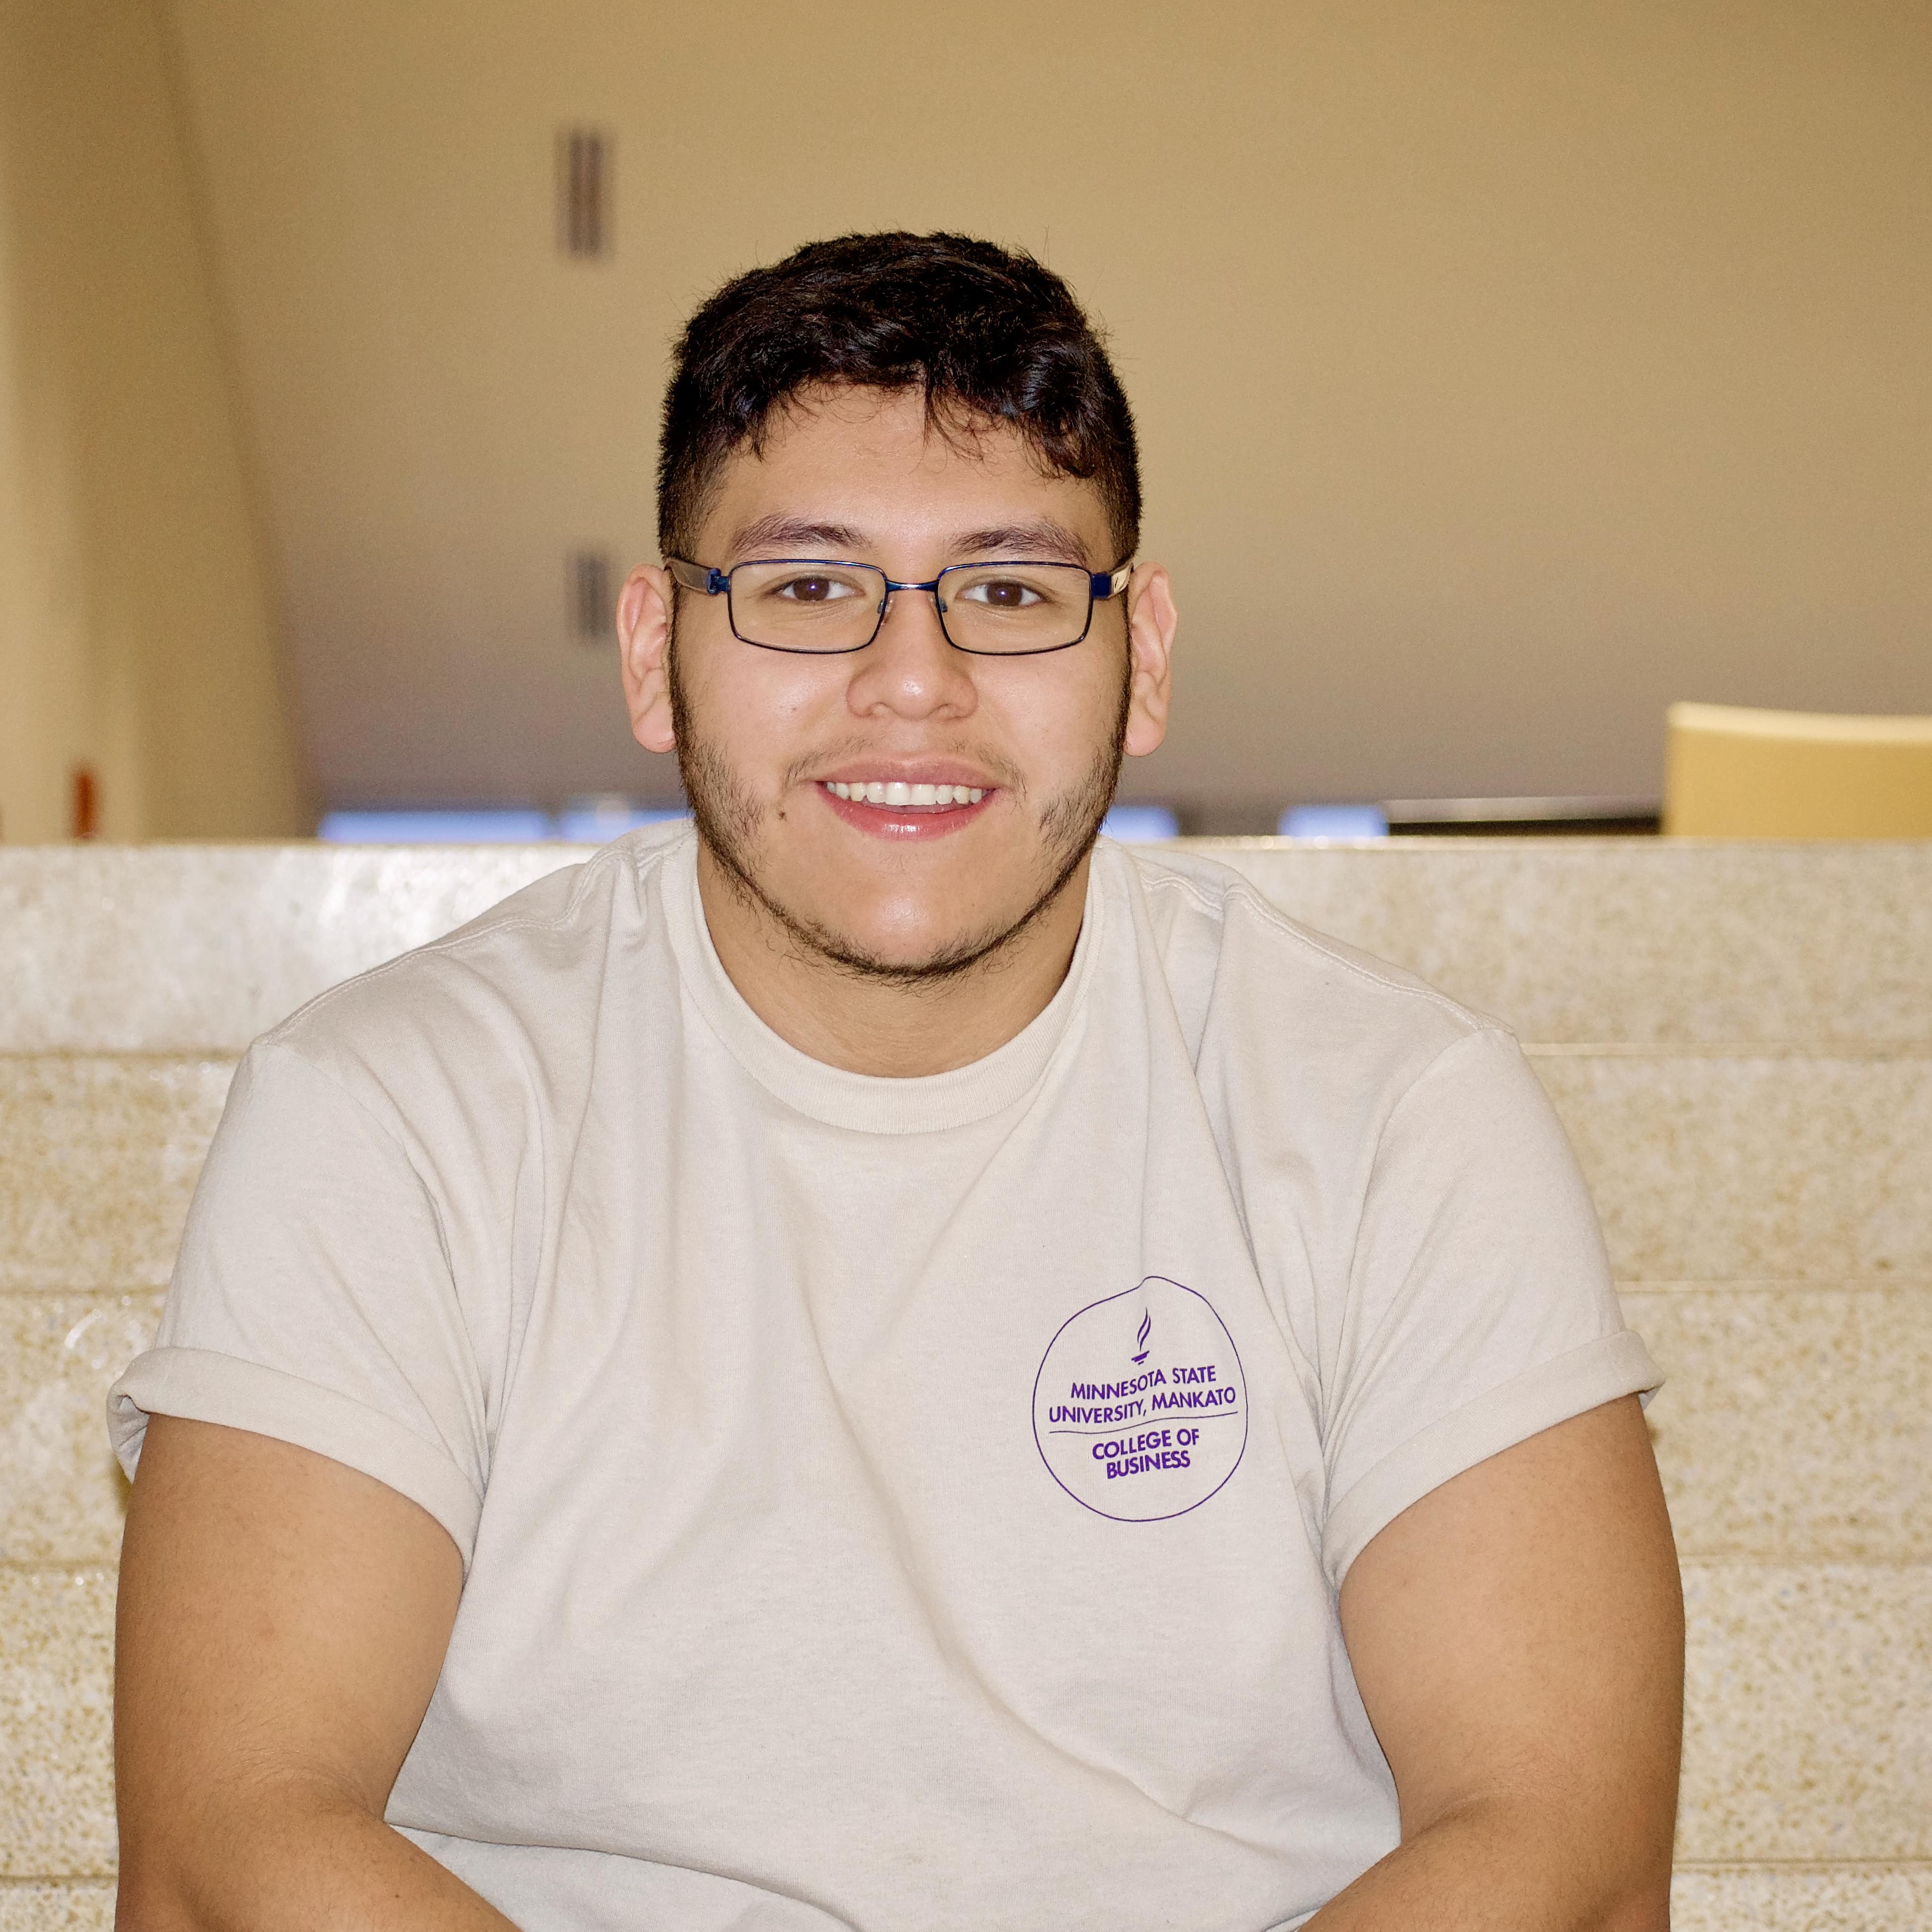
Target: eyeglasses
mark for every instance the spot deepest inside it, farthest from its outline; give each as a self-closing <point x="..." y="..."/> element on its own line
<point x="809" y="604"/>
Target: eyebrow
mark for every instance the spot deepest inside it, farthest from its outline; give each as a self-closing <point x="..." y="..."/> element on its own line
<point x="770" y="533"/>
<point x="1042" y="537"/>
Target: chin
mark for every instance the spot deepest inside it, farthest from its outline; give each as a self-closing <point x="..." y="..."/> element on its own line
<point x="927" y="933"/>
<point x="918" y="945"/>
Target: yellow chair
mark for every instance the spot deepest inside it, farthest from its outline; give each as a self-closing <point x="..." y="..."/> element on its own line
<point x="1730" y="773"/>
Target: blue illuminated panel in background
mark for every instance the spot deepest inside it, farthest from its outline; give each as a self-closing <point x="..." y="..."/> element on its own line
<point x="1334" y="821"/>
<point x="596" y="821"/>
<point x="586" y="821"/>
<point x="1141" y="824"/>
<point x="495" y="826"/>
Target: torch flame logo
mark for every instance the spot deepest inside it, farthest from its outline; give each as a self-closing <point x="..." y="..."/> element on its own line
<point x="1141" y="1339"/>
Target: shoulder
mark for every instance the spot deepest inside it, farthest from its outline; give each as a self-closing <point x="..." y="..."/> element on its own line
<point x="514" y="988"/>
<point x="1271" y="991"/>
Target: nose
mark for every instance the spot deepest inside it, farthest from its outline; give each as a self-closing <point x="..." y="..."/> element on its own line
<point x="910" y="671"/>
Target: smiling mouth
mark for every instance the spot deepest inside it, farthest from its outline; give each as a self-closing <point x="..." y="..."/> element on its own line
<point x="900" y="796"/>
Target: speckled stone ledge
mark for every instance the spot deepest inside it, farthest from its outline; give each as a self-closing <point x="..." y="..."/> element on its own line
<point x="1771" y="1207"/>
<point x="200" y="948"/>
<point x="1795" y="1423"/>
<point x="172" y="949"/>
<point x="1632" y="939"/>
<point x="1799" y="1898"/>
<point x="98" y="1159"/>
<point x="1707" y="1167"/>
<point x="56" y="1706"/>
<point x="1807" y="1727"/>
<point x="62" y="1492"/>
<point x="62" y="1905"/>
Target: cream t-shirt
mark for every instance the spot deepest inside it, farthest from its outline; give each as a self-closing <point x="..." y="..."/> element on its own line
<point x="896" y="1504"/>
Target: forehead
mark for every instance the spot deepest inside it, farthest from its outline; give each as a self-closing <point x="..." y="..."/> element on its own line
<point x="869" y="459"/>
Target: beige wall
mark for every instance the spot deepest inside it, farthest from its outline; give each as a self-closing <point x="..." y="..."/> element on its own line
<point x="43" y="700"/>
<point x="136" y="630"/>
<point x="1506" y="369"/>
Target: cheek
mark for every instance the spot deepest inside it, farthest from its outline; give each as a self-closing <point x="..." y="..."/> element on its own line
<point x="1054" y="723"/>
<point x="755" y="712"/>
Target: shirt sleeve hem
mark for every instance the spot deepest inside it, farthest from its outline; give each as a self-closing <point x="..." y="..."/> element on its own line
<point x="202" y="1385"/>
<point x="1584" y="1378"/>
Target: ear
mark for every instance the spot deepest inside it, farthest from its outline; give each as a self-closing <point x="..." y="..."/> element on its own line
<point x="1152" y="621"/>
<point x="644" y="633"/>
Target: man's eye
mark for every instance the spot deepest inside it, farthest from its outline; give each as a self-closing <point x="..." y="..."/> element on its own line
<point x="1002" y="593"/>
<point x="814" y="590"/>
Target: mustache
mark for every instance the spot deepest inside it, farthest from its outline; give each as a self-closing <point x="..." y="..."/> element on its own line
<point x="857" y="745"/>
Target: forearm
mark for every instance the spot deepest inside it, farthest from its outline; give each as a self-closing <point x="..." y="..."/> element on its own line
<point x="296" y="1863"/>
<point x="1499" y="1866"/>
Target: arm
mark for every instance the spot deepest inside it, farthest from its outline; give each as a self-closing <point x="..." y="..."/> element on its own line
<point x="283" y="1620"/>
<point x="1518" y="1638"/>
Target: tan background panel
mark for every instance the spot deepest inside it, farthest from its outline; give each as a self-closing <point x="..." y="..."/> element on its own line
<point x="138" y="632"/>
<point x="1505" y="370"/>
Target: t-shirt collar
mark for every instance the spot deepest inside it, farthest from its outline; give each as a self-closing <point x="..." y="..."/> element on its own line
<point x="868" y="1103"/>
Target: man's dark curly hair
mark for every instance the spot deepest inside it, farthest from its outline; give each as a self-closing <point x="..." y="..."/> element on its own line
<point x="986" y="332"/>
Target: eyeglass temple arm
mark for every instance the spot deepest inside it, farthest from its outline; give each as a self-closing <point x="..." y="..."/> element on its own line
<point x="697" y="577"/>
<point x="1111" y="583"/>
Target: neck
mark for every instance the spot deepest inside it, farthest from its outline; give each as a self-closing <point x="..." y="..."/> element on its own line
<point x="899" y="1029"/>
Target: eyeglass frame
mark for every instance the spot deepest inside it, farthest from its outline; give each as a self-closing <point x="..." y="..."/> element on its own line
<point x="1101" y="585"/>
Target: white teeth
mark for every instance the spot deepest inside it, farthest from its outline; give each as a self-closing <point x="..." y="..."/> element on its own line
<point x="894" y="791"/>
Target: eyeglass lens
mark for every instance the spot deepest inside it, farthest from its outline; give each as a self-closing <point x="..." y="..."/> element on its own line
<point x="995" y="609"/>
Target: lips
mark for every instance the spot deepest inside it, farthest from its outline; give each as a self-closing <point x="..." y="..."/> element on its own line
<point x="906" y="809"/>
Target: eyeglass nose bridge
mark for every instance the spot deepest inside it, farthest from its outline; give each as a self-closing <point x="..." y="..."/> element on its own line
<point x="891" y="584"/>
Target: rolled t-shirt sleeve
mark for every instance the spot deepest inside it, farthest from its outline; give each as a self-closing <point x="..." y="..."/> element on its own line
<point x="1479" y="1308"/>
<point x="314" y="1299"/>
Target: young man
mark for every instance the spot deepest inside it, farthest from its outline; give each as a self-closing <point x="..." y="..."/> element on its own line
<point x="878" y="1363"/>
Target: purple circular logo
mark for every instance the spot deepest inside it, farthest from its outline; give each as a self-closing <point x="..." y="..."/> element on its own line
<point x="1140" y="1407"/>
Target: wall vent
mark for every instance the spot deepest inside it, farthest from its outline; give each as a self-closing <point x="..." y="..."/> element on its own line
<point x="592" y="611"/>
<point x="584" y="192"/>
<point x="85" y="821"/>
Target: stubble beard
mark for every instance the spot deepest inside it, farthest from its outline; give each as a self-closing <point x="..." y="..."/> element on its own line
<point x="730" y="822"/>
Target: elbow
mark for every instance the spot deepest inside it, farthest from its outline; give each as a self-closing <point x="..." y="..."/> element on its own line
<point x="1642" y="1905"/>
<point x="146" y="1901"/>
